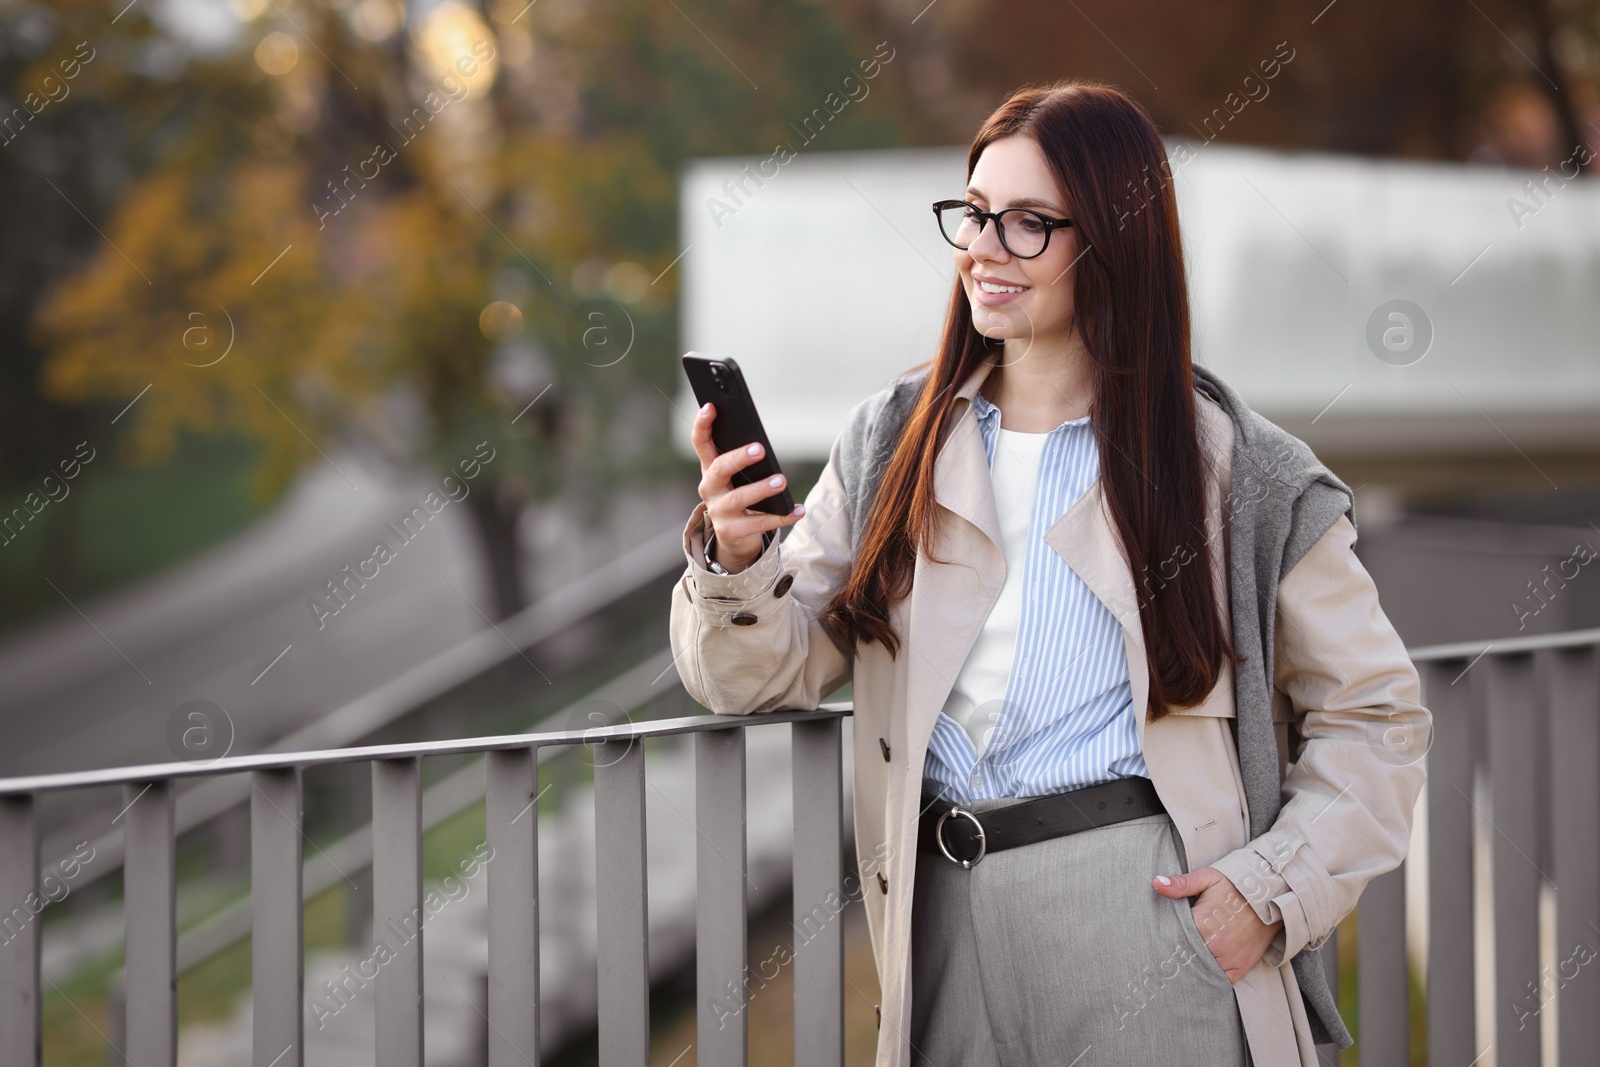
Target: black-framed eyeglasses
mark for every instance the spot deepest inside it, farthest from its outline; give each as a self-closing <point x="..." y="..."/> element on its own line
<point x="1029" y="234"/>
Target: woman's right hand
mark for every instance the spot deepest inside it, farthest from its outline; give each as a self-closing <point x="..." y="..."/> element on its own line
<point x="738" y="529"/>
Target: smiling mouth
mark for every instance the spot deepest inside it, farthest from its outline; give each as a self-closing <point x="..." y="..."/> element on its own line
<point x="991" y="287"/>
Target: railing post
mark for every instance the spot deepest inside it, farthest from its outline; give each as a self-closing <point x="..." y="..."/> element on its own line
<point x="1513" y="736"/>
<point x="1384" y="985"/>
<point x="721" y="870"/>
<point x="1452" y="1011"/>
<point x="397" y="908"/>
<point x="353" y="800"/>
<point x="621" y="904"/>
<point x="19" y="933"/>
<point x="511" y="819"/>
<point x="150" y="897"/>
<point x="277" y="975"/>
<point x="1574" y="705"/>
<point x="818" y="901"/>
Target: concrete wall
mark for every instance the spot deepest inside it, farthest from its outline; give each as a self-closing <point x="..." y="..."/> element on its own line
<point x="828" y="277"/>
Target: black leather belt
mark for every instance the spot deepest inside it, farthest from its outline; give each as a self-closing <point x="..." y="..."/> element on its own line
<point x="964" y="837"/>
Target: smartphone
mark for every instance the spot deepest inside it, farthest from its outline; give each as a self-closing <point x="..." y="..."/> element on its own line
<point x="720" y="382"/>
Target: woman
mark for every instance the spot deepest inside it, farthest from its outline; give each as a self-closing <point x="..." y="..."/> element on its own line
<point x="1090" y="605"/>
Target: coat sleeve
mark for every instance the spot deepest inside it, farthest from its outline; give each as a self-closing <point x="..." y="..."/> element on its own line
<point x="752" y="641"/>
<point x="1350" y="794"/>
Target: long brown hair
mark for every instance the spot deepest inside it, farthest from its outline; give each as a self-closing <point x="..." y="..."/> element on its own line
<point x="1131" y="310"/>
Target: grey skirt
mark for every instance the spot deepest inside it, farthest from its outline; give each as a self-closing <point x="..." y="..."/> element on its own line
<point x="1062" y="953"/>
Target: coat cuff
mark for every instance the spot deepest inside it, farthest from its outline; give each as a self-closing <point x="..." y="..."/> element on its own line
<point x="721" y="597"/>
<point x="1276" y="874"/>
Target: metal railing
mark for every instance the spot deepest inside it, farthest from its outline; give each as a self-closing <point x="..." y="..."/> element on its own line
<point x="380" y="708"/>
<point x="1513" y="788"/>
<point x="441" y="801"/>
<point x="368" y="715"/>
<point x="511" y="790"/>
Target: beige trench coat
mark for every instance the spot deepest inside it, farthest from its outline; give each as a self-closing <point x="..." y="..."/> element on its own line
<point x="751" y="642"/>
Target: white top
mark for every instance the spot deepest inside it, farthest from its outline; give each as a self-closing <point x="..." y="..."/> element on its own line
<point x="980" y="688"/>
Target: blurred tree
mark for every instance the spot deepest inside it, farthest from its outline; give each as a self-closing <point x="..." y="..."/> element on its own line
<point x="1566" y="57"/>
<point x="1366" y="77"/>
<point x="56" y="149"/>
<point x="517" y="229"/>
<point x="424" y="227"/>
<point x="406" y="233"/>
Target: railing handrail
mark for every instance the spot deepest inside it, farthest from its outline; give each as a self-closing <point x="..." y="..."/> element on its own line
<point x="283" y="761"/>
<point x="441" y="800"/>
<point x="688" y="724"/>
<point x="1505" y="645"/>
<point x="387" y="703"/>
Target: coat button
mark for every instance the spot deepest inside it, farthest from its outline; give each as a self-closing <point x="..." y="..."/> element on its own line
<point x="783" y="585"/>
<point x="743" y="618"/>
<point x="883" y="883"/>
<point x="884" y="747"/>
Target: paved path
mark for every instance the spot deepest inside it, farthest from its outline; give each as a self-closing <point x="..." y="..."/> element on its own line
<point x="96" y="685"/>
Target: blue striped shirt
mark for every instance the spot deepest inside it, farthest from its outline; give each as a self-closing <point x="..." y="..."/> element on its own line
<point x="1067" y="719"/>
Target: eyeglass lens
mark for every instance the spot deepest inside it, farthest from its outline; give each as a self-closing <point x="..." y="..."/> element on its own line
<point x="1022" y="232"/>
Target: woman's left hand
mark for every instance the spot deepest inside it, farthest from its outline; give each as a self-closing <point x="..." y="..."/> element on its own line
<point x="1230" y="926"/>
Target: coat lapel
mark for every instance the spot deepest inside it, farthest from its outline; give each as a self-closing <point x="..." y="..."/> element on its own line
<point x="961" y="479"/>
<point x="949" y="601"/>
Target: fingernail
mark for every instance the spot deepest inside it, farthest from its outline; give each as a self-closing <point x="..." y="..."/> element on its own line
<point x="799" y="509"/>
<point x="754" y="450"/>
<point x="775" y="481"/>
<point x="1163" y="879"/>
<point x="705" y="407"/>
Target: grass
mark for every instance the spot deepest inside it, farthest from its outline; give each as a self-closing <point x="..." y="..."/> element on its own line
<point x="120" y="524"/>
<point x="769" y="1009"/>
<point x="77" y="1030"/>
<point x="1349" y="1004"/>
<point x="76" y="1012"/>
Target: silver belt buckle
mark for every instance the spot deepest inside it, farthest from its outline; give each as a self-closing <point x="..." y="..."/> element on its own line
<point x="938" y="835"/>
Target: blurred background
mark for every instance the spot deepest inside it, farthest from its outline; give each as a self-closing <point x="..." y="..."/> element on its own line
<point x="341" y="400"/>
